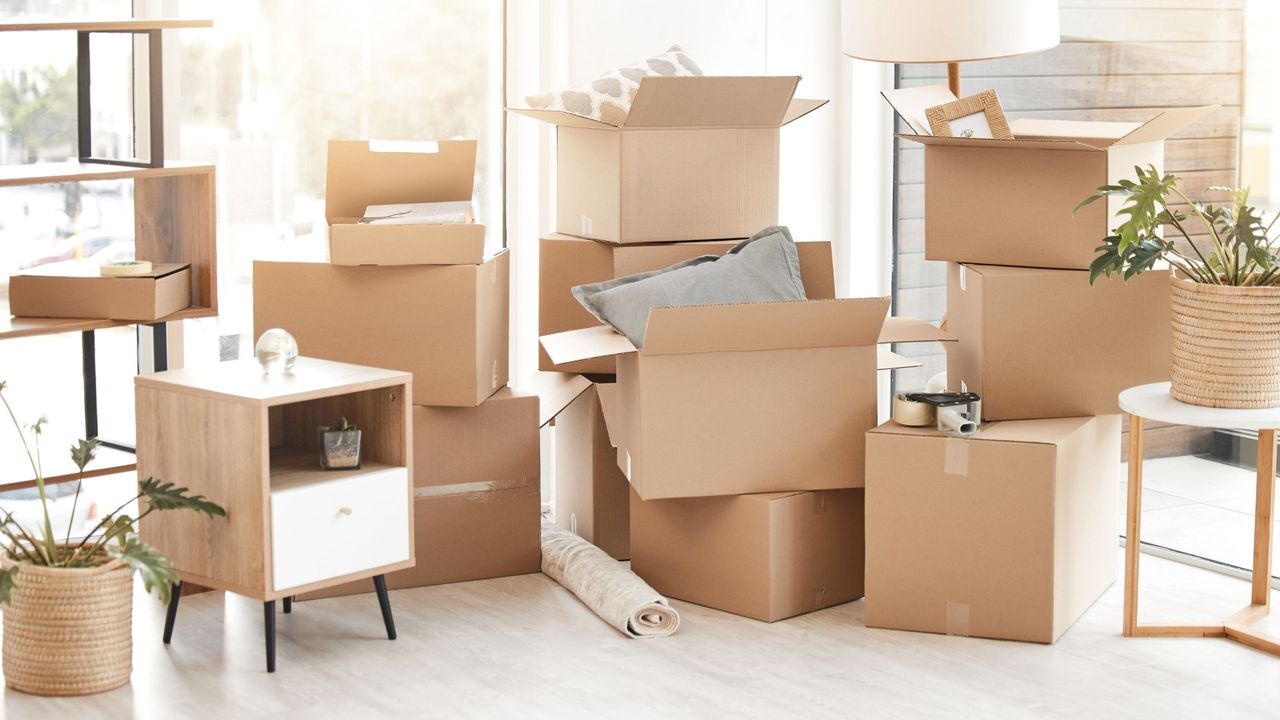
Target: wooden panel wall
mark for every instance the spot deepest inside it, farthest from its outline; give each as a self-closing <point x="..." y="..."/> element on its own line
<point x="1119" y="60"/>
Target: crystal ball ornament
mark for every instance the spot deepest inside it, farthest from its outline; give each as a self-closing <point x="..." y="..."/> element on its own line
<point x="276" y="351"/>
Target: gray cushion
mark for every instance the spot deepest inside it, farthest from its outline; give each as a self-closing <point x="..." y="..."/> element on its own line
<point x="764" y="268"/>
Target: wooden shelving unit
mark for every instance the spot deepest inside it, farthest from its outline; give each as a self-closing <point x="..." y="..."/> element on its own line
<point x="76" y="171"/>
<point x="130" y="25"/>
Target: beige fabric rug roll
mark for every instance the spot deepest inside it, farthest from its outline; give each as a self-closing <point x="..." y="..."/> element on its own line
<point x="612" y="591"/>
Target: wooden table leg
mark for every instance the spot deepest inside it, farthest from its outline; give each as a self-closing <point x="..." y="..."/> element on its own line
<point x="1263" y="517"/>
<point x="1133" y="535"/>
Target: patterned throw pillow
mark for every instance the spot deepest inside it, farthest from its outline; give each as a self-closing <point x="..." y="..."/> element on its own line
<point x="608" y="97"/>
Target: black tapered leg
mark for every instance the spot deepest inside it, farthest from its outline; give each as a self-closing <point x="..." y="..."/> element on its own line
<point x="175" y="592"/>
<point x="269" y="622"/>
<point x="288" y="604"/>
<point x="384" y="602"/>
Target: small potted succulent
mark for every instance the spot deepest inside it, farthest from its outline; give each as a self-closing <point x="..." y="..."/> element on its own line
<point x="340" y="446"/>
<point x="68" y="600"/>
<point x="1225" y="286"/>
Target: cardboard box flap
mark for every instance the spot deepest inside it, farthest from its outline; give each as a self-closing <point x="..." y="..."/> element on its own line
<point x="585" y="344"/>
<point x="699" y="102"/>
<point x="992" y="143"/>
<point x="563" y="119"/>
<point x="608" y="394"/>
<point x="908" y="329"/>
<point x="555" y="390"/>
<point x="361" y="173"/>
<point x="888" y="360"/>
<point x="1089" y="132"/>
<point x="800" y="107"/>
<point x="1165" y="124"/>
<point x="910" y="103"/>
<point x="746" y="327"/>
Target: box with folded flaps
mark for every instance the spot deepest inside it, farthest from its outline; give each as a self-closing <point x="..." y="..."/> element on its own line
<point x="591" y="491"/>
<point x="1010" y="533"/>
<point x="362" y="173"/>
<point x="566" y="261"/>
<point x="143" y="298"/>
<point x="747" y="398"/>
<point x="695" y="159"/>
<point x="1010" y="202"/>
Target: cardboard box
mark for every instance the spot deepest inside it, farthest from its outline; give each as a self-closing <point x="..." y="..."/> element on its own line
<point x="695" y="159"/>
<point x="143" y="298"/>
<point x="1008" y="534"/>
<point x="566" y="261"/>
<point x="1010" y="202"/>
<point x="767" y="557"/>
<point x="591" y="498"/>
<point x="447" y="324"/>
<point x="1038" y="343"/>
<point x="746" y="398"/>
<point x="369" y="172"/>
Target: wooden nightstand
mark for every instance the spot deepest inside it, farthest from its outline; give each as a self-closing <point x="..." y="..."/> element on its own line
<point x="248" y="442"/>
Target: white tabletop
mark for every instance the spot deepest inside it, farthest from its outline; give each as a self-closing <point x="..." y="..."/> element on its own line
<point x="1153" y="402"/>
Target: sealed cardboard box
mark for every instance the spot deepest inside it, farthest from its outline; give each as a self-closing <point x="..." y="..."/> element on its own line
<point x="144" y="298"/>
<point x="1008" y="534"/>
<point x="368" y="172"/>
<point x="566" y="261"/>
<point x="447" y="324"/>
<point x="746" y="398"/>
<point x="695" y="159"/>
<point x="1038" y="343"/>
<point x="767" y="557"/>
<point x="591" y="497"/>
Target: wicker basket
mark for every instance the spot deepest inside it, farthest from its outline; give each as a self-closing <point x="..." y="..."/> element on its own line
<point x="1226" y="344"/>
<point x="69" y="631"/>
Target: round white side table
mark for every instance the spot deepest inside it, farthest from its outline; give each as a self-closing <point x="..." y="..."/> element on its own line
<point x="1152" y="402"/>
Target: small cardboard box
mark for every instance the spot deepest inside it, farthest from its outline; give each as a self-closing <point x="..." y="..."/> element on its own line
<point x="566" y="261"/>
<point x="370" y="172"/>
<point x="1038" y="343"/>
<point x="767" y="557"/>
<point x="142" y="298"/>
<point x="746" y="398"/>
<point x="695" y="159"/>
<point x="1008" y="534"/>
<point x="591" y="496"/>
<point x="1010" y="202"/>
<point x="447" y="324"/>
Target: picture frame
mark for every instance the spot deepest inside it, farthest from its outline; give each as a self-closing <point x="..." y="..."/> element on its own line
<point x="977" y="116"/>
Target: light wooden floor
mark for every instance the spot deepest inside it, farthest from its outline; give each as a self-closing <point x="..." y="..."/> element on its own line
<point x="523" y="647"/>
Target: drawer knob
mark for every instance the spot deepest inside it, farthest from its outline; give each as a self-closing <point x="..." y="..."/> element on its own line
<point x="344" y="510"/>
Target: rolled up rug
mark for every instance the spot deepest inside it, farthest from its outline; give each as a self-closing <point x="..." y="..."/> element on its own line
<point x="612" y="591"/>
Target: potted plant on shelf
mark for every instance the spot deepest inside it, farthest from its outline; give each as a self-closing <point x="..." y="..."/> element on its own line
<point x="1225" y="286"/>
<point x="340" y="446"/>
<point x="68" y="615"/>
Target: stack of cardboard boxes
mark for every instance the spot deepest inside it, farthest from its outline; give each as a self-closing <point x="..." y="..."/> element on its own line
<point x="430" y="300"/>
<point x="1011" y="533"/>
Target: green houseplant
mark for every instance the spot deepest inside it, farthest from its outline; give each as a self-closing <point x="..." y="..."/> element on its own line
<point x="340" y="446"/>
<point x="68" y="600"/>
<point x="1225" y="286"/>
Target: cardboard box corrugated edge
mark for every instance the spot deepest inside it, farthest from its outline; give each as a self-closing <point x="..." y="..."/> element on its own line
<point x="143" y="298"/>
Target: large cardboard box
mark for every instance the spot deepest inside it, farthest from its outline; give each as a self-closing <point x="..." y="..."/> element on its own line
<point x="369" y="172"/>
<point x="746" y="398"/>
<point x="591" y="496"/>
<point x="767" y="557"/>
<point x="447" y="324"/>
<point x="87" y="294"/>
<point x="1038" y="343"/>
<point x="566" y="261"/>
<point x="1009" y="534"/>
<point x="695" y="159"/>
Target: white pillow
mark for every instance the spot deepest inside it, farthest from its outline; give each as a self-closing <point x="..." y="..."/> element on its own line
<point x="608" y="97"/>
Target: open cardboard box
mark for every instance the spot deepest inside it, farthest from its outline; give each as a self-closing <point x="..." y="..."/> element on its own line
<point x="1010" y="202"/>
<point x="87" y="294"/>
<point x="370" y="172"/>
<point x="591" y="497"/>
<point x="747" y="398"/>
<point x="695" y="159"/>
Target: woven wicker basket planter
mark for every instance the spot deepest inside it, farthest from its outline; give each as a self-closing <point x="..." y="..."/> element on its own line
<point x="69" y="631"/>
<point x="1226" y="344"/>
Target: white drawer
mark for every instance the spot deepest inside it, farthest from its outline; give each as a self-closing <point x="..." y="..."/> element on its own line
<point x="329" y="528"/>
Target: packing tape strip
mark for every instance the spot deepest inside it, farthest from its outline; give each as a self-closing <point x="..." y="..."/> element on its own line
<point x="957" y="618"/>
<point x="475" y="487"/>
<point x="912" y="413"/>
<point x="955" y="457"/>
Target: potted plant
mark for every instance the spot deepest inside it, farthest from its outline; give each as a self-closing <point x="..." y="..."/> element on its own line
<point x="1225" y="286"/>
<point x="68" y="601"/>
<point x="340" y="446"/>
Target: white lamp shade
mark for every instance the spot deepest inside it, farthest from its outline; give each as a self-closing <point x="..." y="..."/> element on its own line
<point x="938" y="31"/>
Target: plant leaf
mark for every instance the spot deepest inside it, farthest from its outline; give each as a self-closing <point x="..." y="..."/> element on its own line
<point x="166" y="496"/>
<point x="8" y="583"/>
<point x="82" y="453"/>
<point x="151" y="566"/>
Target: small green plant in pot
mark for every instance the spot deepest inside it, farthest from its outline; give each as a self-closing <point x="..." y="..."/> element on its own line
<point x="340" y="446"/>
<point x="1225" y="286"/>
<point x="68" y="600"/>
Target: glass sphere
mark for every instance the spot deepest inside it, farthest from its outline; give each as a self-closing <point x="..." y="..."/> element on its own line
<point x="276" y="351"/>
